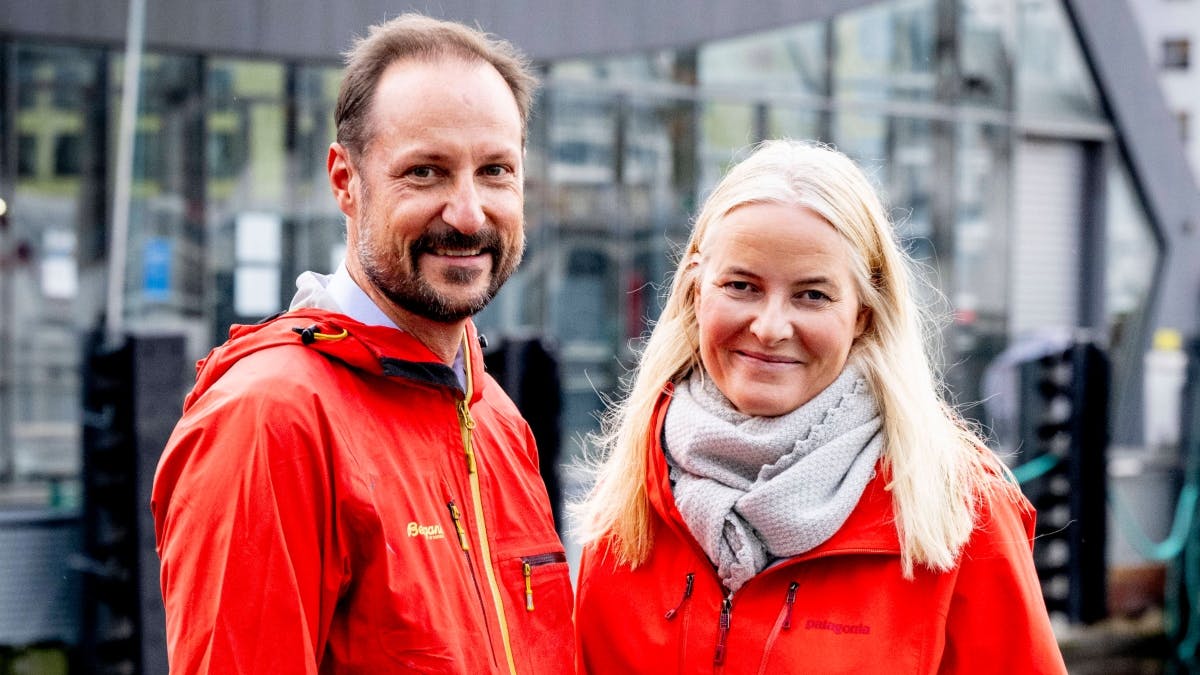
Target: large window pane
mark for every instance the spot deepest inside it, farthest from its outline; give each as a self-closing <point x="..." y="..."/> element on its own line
<point x="581" y="150"/>
<point x="246" y="124"/>
<point x="660" y="66"/>
<point x="987" y="33"/>
<point x="798" y="123"/>
<point x="164" y="277"/>
<point x="49" y="271"/>
<point x="1052" y="78"/>
<point x="885" y="51"/>
<point x="568" y="288"/>
<point x="979" y="291"/>
<point x="317" y="224"/>
<point x="727" y="134"/>
<point x="792" y="59"/>
<point x="982" y="215"/>
<point x="659" y="195"/>
<point x="1132" y="254"/>
<point x="862" y="136"/>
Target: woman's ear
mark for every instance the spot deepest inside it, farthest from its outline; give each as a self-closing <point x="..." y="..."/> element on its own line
<point x="862" y="321"/>
<point x="692" y="271"/>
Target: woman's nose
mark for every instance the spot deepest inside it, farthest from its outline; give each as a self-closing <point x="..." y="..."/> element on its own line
<point x="773" y="323"/>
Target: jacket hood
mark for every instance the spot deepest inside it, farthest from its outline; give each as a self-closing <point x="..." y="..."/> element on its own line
<point x="379" y="351"/>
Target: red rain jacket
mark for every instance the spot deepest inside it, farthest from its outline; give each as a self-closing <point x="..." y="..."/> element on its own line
<point x="842" y="607"/>
<point x="332" y="502"/>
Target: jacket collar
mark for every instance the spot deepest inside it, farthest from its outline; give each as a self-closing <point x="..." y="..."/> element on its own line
<point x="870" y="528"/>
<point x="374" y="350"/>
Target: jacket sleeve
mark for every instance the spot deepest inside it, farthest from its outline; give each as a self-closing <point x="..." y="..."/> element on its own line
<point x="997" y="620"/>
<point x="242" y="508"/>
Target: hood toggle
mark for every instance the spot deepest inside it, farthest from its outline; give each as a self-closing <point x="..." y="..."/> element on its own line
<point x="312" y="333"/>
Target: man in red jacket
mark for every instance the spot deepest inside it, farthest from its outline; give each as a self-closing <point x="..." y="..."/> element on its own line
<point x="348" y="491"/>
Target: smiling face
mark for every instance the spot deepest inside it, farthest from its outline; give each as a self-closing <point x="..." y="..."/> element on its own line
<point x="777" y="307"/>
<point x="435" y="201"/>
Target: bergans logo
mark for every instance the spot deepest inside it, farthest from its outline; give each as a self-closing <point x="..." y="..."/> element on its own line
<point x="837" y="628"/>
<point x="430" y="532"/>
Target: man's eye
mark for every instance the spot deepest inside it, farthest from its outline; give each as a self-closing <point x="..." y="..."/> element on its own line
<point x="421" y="172"/>
<point x="494" y="170"/>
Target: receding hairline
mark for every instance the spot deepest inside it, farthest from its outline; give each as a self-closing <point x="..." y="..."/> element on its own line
<point x="416" y="38"/>
<point x="370" y="119"/>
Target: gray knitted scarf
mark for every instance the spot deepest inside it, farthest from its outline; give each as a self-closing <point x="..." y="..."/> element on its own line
<point x="756" y="489"/>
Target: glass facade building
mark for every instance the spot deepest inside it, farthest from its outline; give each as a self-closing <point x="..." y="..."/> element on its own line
<point x="979" y="120"/>
<point x="1018" y="145"/>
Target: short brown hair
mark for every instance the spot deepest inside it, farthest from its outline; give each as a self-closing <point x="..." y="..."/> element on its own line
<point x="415" y="36"/>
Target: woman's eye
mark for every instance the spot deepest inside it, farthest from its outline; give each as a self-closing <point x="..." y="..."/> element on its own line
<point x="813" y="296"/>
<point x="738" y="286"/>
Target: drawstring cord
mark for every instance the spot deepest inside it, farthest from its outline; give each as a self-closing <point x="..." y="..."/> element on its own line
<point x="312" y="334"/>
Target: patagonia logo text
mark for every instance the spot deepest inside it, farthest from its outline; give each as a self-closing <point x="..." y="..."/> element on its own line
<point x="837" y="628"/>
<point x="430" y="532"/>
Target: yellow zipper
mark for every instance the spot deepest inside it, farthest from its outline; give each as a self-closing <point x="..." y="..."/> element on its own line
<point x="456" y="516"/>
<point x="527" y="570"/>
<point x="467" y="424"/>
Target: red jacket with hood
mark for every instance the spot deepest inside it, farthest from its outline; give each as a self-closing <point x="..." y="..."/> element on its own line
<point x="332" y="501"/>
<point x="842" y="607"/>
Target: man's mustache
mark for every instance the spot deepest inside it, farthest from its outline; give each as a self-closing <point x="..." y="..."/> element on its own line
<point x="486" y="240"/>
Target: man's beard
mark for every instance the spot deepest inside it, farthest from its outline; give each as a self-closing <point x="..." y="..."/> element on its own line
<point x="401" y="281"/>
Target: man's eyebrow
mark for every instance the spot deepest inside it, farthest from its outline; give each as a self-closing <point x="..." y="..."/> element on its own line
<point x="418" y="154"/>
<point x="434" y="155"/>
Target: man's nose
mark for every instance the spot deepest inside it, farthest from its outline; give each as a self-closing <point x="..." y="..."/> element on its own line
<point x="772" y="323"/>
<point x="464" y="209"/>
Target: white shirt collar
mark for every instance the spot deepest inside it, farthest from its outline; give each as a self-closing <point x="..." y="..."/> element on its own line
<point x="356" y="304"/>
<point x="354" y="301"/>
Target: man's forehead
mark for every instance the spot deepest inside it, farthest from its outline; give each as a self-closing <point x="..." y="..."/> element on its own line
<point x="453" y="81"/>
<point x="436" y="67"/>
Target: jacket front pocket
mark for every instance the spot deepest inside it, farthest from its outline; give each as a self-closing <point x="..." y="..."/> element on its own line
<point x="538" y="591"/>
<point x="538" y="563"/>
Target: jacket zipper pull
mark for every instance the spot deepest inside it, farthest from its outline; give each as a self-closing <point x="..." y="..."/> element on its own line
<point x="687" y="593"/>
<point x="723" y="633"/>
<point x="527" y="570"/>
<point x="468" y="424"/>
<point x="791" y="601"/>
<point x="456" y="516"/>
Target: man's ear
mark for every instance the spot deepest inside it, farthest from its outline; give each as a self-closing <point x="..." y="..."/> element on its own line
<point x="343" y="179"/>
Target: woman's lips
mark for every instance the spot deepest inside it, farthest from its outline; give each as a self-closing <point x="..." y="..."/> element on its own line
<point x="768" y="358"/>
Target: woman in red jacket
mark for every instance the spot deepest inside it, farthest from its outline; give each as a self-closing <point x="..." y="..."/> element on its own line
<point x="784" y="491"/>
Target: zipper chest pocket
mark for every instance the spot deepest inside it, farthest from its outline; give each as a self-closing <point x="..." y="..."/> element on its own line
<point x="783" y="623"/>
<point x="689" y="584"/>
<point x="529" y="568"/>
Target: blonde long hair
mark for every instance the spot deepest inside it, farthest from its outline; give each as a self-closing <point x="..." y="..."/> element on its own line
<point x="934" y="460"/>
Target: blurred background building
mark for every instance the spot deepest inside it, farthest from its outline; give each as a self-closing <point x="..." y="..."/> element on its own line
<point x="1171" y="32"/>
<point x="1030" y="159"/>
